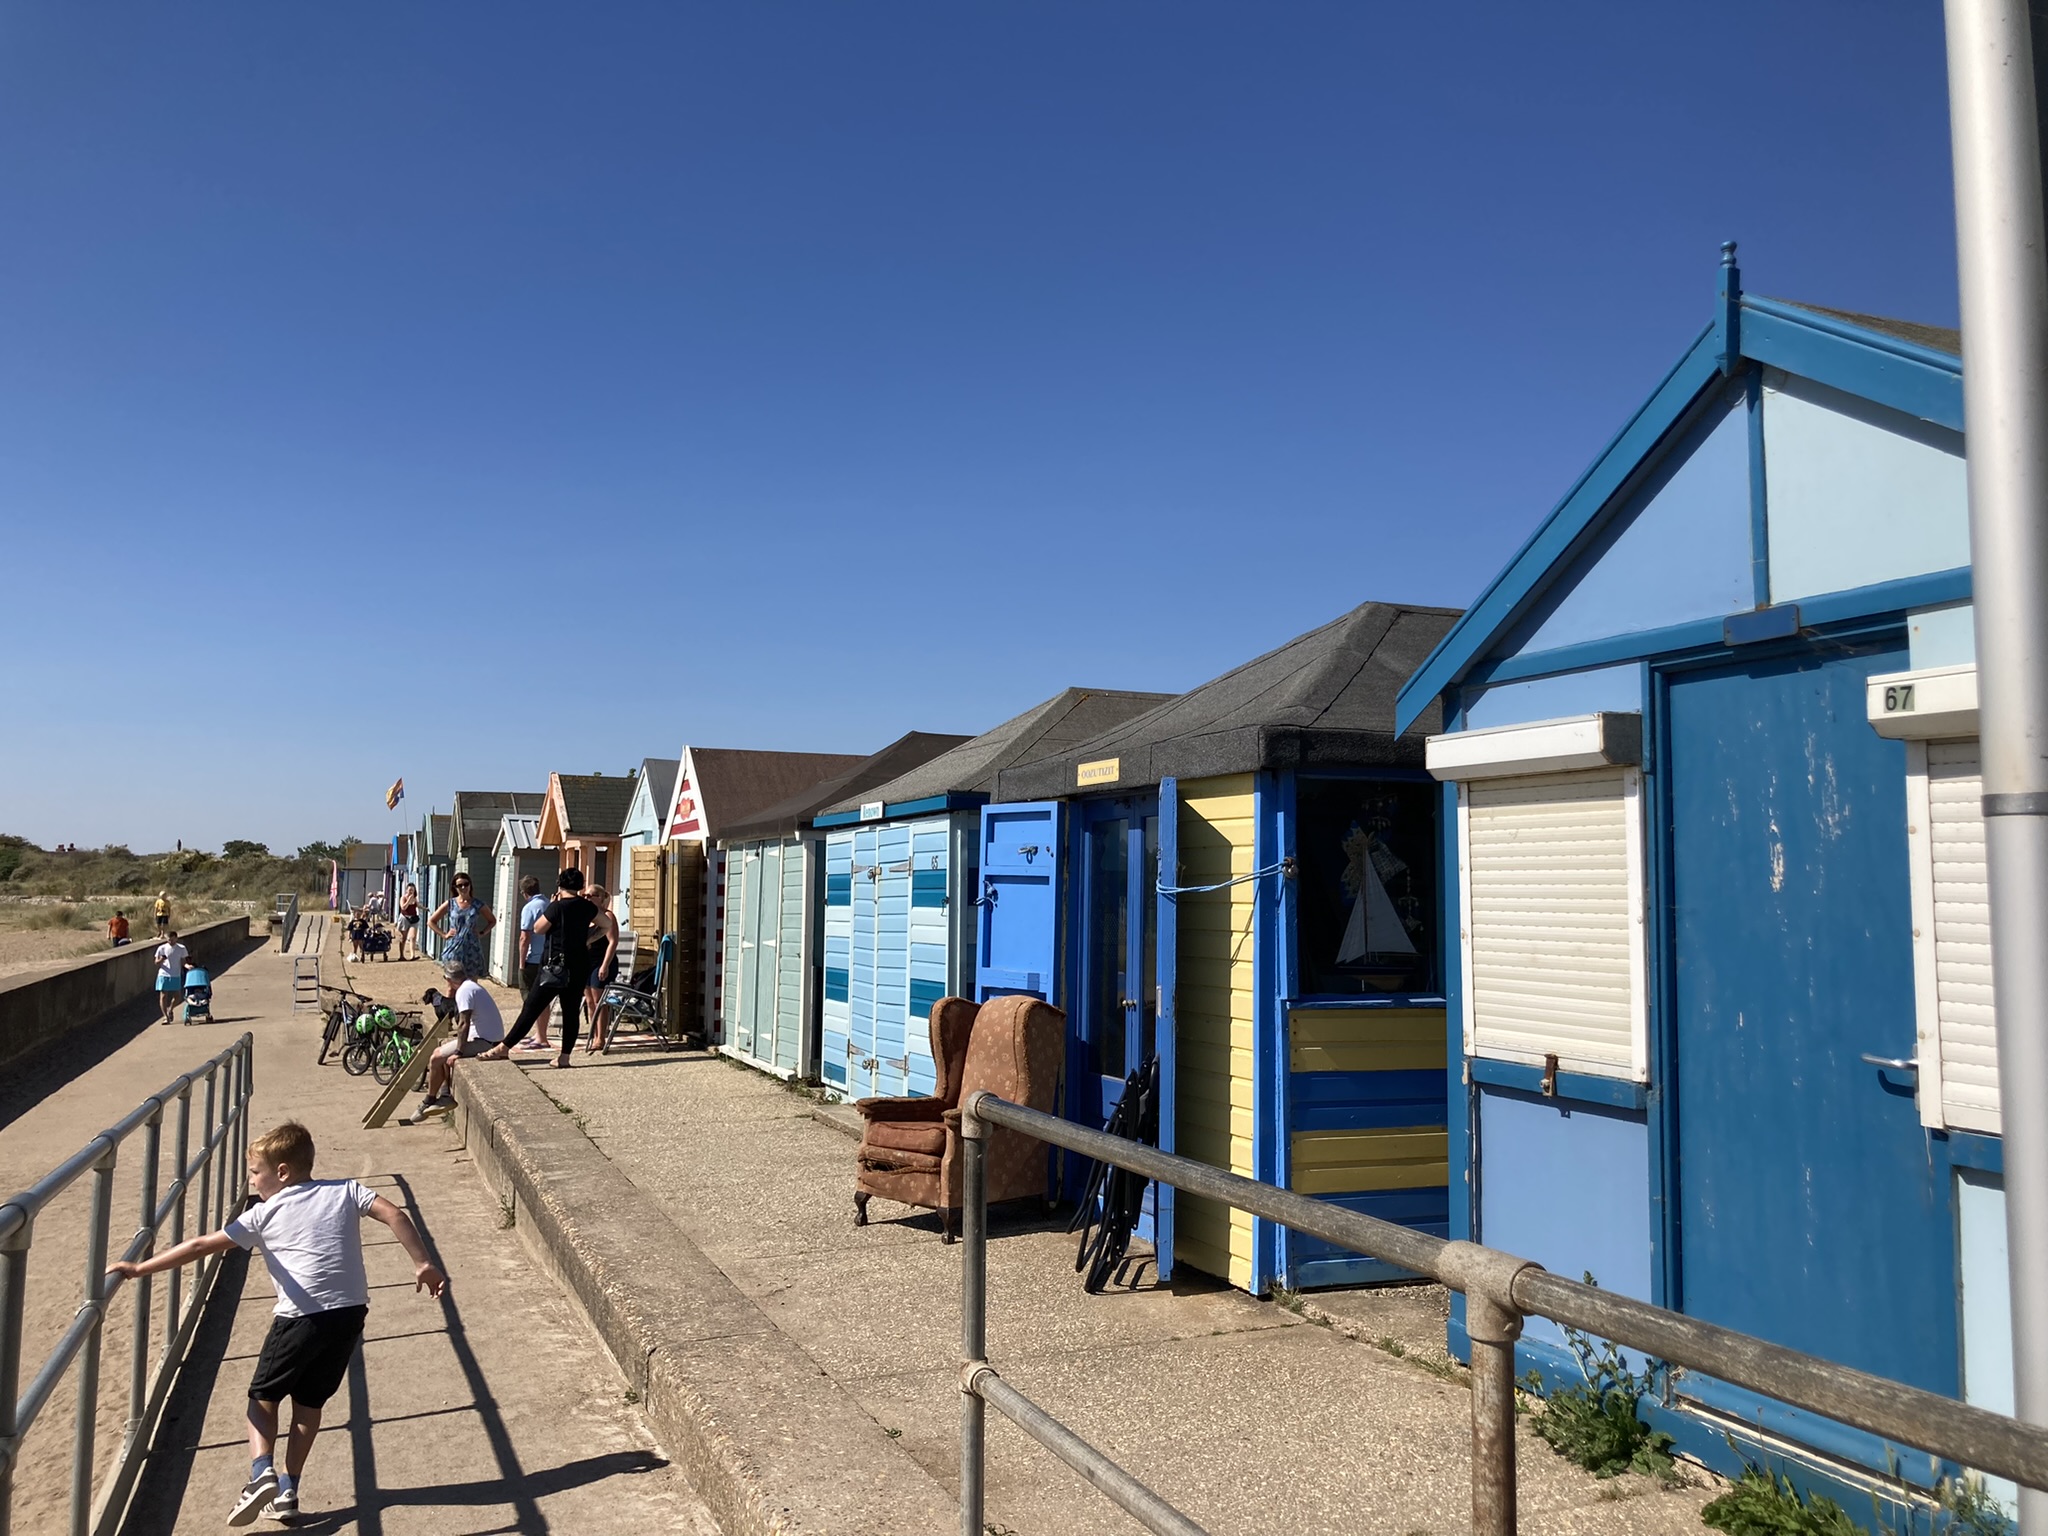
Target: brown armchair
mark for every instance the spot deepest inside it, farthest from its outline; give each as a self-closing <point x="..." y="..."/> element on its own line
<point x="910" y="1148"/>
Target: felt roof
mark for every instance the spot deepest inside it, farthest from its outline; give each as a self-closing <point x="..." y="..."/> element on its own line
<point x="439" y="830"/>
<point x="479" y="811"/>
<point x="659" y="775"/>
<point x="1067" y="717"/>
<point x="734" y="785"/>
<point x="1935" y="338"/>
<point x="782" y="819"/>
<point x="1325" y="699"/>
<point x="594" y="804"/>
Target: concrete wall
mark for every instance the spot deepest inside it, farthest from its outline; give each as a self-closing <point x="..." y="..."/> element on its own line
<point x="39" y="1008"/>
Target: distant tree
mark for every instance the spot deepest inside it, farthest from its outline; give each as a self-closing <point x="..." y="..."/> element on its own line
<point x="116" y="851"/>
<point x="241" y="848"/>
<point x="321" y="851"/>
<point x="10" y="860"/>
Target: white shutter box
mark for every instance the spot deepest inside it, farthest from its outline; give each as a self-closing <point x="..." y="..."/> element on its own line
<point x="1551" y="869"/>
<point x="1954" y="961"/>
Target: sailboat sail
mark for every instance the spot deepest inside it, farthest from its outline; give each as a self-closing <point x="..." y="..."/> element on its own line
<point x="1375" y="927"/>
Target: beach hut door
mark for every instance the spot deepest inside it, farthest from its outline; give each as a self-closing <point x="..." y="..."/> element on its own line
<point x="1017" y="907"/>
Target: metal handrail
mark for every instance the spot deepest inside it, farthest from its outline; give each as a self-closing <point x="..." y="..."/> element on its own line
<point x="1500" y="1291"/>
<point x="228" y="1080"/>
<point x="288" y="919"/>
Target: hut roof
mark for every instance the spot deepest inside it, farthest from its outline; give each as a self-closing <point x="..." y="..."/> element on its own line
<point x="439" y="831"/>
<point x="659" y="775"/>
<point x="1325" y="698"/>
<point x="971" y="768"/>
<point x="734" y="785"/>
<point x="908" y="751"/>
<point x="479" y="811"/>
<point x="517" y="833"/>
<point x="594" y="804"/>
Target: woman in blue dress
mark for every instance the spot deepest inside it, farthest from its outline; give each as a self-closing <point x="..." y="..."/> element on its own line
<point x="462" y="921"/>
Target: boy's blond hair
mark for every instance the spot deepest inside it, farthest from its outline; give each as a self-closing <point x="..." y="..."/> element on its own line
<point x="290" y="1144"/>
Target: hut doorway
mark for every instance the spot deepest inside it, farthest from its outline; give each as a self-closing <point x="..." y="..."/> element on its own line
<point x="1800" y="1170"/>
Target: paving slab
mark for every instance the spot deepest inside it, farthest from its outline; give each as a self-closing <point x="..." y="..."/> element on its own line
<point x="1246" y="1413"/>
<point x="493" y="1410"/>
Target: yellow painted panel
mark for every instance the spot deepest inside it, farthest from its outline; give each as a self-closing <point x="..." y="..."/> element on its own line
<point x="1366" y="1057"/>
<point x="1331" y="1026"/>
<point x="1313" y="1149"/>
<point x="1353" y="1181"/>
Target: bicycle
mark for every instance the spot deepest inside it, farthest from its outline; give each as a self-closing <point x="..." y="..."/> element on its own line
<point x="341" y="1023"/>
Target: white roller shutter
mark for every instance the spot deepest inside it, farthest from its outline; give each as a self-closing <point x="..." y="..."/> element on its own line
<point x="1551" y="876"/>
<point x="1958" y="1041"/>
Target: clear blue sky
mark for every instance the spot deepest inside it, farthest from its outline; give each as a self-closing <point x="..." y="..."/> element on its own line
<point x="466" y="391"/>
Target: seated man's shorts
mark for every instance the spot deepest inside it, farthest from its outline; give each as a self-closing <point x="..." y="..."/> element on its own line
<point x="304" y="1358"/>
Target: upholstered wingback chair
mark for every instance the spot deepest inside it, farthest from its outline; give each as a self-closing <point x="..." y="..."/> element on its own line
<point x="910" y="1148"/>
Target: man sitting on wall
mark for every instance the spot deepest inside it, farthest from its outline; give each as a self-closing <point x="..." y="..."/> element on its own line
<point x="478" y="1027"/>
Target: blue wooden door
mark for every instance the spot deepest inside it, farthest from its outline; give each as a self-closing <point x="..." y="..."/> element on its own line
<point x="1809" y="1207"/>
<point x="1116" y="1017"/>
<point x="835" y="1008"/>
<point x="1017" y="911"/>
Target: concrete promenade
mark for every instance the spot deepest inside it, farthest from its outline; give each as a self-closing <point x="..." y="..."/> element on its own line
<point x="1244" y="1413"/>
<point x="493" y="1410"/>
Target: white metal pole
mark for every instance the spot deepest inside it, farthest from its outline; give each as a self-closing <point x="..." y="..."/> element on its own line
<point x="2003" y="270"/>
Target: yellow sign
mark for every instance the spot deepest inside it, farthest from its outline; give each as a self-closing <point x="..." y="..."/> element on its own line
<point x="1107" y="771"/>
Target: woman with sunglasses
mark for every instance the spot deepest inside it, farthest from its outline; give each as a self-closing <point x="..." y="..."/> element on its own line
<point x="462" y="921"/>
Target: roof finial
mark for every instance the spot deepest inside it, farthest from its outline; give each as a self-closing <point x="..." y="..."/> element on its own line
<point x="1729" y="319"/>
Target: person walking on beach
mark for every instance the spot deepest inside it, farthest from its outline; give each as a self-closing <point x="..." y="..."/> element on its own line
<point x="409" y="919"/>
<point x="566" y="924"/>
<point x="462" y="921"/>
<point x="163" y="913"/>
<point x="533" y="949"/>
<point x="309" y="1233"/>
<point x="604" y="966"/>
<point x="170" y="975"/>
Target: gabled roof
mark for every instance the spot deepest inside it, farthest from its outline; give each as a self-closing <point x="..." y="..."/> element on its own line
<point x="1067" y="717"/>
<point x="517" y="833"/>
<point x="585" y="805"/>
<point x="1913" y="368"/>
<point x="732" y="785"/>
<point x="785" y="816"/>
<point x="658" y="778"/>
<point x="438" y="834"/>
<point x="1324" y="698"/>
<point x="477" y="812"/>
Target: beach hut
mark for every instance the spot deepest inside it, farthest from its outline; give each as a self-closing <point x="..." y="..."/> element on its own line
<point x="473" y="832"/>
<point x="435" y="854"/>
<point x="581" y="818"/>
<point x="717" y="787"/>
<point x="774" y="904"/>
<point x="365" y="870"/>
<point x="517" y="853"/>
<point x="1719" y="969"/>
<point x="1250" y="894"/>
<point x="901" y="882"/>
<point x="640" y="838"/>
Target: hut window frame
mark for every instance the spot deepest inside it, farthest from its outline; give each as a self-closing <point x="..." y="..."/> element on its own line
<point x="1422" y="860"/>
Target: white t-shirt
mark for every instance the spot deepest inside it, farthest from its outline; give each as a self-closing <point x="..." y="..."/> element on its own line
<point x="485" y="1022"/>
<point x="170" y="961"/>
<point x="310" y="1244"/>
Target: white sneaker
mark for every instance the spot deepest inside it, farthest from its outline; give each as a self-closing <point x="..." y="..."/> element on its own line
<point x="256" y="1493"/>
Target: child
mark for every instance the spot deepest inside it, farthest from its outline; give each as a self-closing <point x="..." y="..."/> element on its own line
<point x="307" y="1229"/>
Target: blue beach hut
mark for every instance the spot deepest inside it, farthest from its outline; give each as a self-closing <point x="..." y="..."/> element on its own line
<point x="901" y="876"/>
<point x="1719" y="971"/>
<point x="1250" y="892"/>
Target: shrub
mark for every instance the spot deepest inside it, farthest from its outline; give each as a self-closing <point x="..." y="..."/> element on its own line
<point x="1596" y="1423"/>
<point x="1764" y="1503"/>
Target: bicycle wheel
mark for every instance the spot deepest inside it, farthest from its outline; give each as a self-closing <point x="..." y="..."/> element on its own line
<point x="355" y="1060"/>
<point x="337" y="1025"/>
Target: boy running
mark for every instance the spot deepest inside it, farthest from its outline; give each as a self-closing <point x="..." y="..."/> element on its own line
<point x="307" y="1229"/>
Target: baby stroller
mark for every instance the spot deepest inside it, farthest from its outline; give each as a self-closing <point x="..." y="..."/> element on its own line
<point x="198" y="995"/>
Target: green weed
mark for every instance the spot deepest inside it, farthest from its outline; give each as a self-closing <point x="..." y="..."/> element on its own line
<point x="1595" y="1424"/>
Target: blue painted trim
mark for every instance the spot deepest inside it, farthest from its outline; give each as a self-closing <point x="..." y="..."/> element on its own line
<point x="1376" y="1000"/>
<point x="1524" y="575"/>
<point x="1579" y="1087"/>
<point x="1908" y="378"/>
<point x="1707" y="635"/>
<point x="1269" y="1059"/>
<point x="1660" y="1106"/>
<point x="1759" y="497"/>
<point x="1728" y="316"/>
<point x="953" y="801"/>
<point x="1986" y="1154"/>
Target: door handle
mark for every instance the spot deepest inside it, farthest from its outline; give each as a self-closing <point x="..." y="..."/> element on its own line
<point x="1893" y="1063"/>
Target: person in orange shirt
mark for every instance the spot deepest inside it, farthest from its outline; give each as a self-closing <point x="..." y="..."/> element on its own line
<point x="117" y="929"/>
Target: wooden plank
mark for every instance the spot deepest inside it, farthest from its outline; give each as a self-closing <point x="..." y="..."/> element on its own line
<point x="408" y="1075"/>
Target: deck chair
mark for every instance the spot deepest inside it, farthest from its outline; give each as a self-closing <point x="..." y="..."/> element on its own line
<point x="637" y="1008"/>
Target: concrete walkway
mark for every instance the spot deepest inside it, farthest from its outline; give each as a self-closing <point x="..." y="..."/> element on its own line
<point x="493" y="1410"/>
<point x="1244" y="1413"/>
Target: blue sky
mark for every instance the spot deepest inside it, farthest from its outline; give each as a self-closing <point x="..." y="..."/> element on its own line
<point x="468" y="391"/>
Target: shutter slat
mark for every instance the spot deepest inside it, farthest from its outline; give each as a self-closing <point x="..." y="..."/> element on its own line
<point x="1965" y="1023"/>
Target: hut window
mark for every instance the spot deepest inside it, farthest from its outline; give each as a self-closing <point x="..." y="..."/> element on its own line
<point x="1551" y="872"/>
<point x="1366" y="887"/>
<point x="1956" y="1027"/>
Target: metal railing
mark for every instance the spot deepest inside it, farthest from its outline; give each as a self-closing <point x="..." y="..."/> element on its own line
<point x="1500" y="1291"/>
<point x="287" y="919"/>
<point x="223" y="1141"/>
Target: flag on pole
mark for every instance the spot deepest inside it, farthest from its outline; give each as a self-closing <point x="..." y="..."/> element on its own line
<point x="394" y="794"/>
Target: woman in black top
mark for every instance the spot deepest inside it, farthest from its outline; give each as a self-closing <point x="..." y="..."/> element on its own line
<point x="565" y="973"/>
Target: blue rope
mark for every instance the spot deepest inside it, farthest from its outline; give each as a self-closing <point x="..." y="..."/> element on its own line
<point x="1223" y="885"/>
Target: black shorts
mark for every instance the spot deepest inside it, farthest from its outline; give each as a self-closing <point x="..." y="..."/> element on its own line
<point x="304" y="1358"/>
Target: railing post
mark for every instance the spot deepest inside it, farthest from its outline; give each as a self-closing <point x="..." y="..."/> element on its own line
<point x="89" y="1355"/>
<point x="204" y="1218"/>
<point x="138" y="1364"/>
<point x="13" y="1296"/>
<point x="1493" y="1322"/>
<point x="181" y="1150"/>
<point x="973" y="1311"/>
